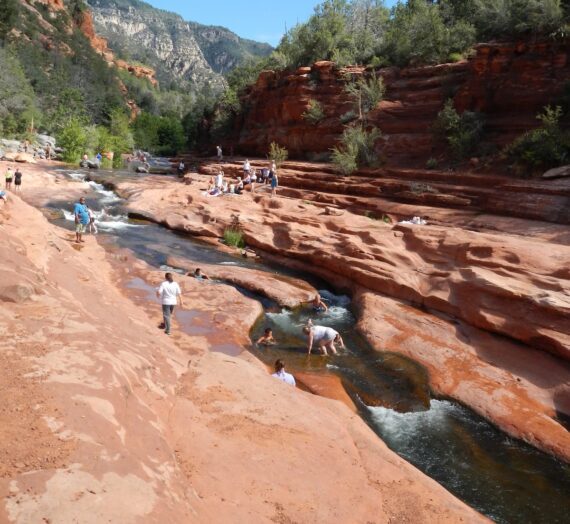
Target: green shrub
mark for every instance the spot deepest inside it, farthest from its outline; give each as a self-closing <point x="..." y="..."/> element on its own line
<point x="455" y="57"/>
<point x="345" y="159"/>
<point x="233" y="237"/>
<point x="366" y="93"/>
<point x="277" y="153"/>
<point x="461" y="132"/>
<point x="356" y="149"/>
<point x="545" y="147"/>
<point x="363" y="142"/>
<point x="347" y="117"/>
<point x="431" y="163"/>
<point x="314" y="113"/>
<point x="73" y="139"/>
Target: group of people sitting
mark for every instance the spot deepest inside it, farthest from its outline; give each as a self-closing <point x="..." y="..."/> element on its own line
<point x="221" y="186"/>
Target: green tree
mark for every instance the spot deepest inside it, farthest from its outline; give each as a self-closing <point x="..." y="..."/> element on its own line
<point x="73" y="139"/>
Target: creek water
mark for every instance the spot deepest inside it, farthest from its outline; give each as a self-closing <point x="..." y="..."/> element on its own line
<point x="503" y="478"/>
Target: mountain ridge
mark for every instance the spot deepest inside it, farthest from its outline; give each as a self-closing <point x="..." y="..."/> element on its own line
<point x="185" y="53"/>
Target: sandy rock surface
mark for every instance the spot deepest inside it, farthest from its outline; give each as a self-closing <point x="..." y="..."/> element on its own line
<point x="110" y="420"/>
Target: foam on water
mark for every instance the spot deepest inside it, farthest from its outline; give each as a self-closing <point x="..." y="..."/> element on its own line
<point x="105" y="221"/>
<point x="283" y="319"/>
<point x="413" y="425"/>
<point x="108" y="196"/>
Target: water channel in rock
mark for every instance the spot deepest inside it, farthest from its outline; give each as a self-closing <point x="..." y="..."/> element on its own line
<point x="503" y="478"/>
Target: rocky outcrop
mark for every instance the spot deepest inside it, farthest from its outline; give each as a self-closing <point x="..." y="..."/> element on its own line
<point x="494" y="281"/>
<point x="190" y="54"/>
<point x="101" y="45"/>
<point x="509" y="83"/>
<point x="111" y="421"/>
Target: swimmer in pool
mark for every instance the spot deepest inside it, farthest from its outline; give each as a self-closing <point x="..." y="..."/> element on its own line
<point x="318" y="305"/>
<point x="267" y="338"/>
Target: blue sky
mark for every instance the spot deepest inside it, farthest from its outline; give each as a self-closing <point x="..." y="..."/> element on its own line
<point x="262" y="20"/>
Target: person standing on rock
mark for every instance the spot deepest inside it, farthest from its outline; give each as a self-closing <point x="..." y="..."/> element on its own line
<point x="324" y="337"/>
<point x="169" y="293"/>
<point x="9" y="177"/>
<point x="17" y="180"/>
<point x="81" y="214"/>
<point x="274" y="184"/>
<point x="281" y="374"/>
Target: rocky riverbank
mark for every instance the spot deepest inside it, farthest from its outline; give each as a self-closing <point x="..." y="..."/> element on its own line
<point x="493" y="308"/>
<point x="109" y="420"/>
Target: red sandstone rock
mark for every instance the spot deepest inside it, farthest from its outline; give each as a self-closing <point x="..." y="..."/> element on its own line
<point x="508" y="82"/>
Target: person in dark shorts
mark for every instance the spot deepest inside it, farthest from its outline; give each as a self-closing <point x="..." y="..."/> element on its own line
<point x="17" y="180"/>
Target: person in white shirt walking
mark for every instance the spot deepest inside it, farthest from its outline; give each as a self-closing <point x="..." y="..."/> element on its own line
<point x="281" y="374"/>
<point x="169" y="293"/>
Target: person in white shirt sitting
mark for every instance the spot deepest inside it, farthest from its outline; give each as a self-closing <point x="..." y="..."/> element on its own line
<point x="169" y="293"/>
<point x="281" y="374"/>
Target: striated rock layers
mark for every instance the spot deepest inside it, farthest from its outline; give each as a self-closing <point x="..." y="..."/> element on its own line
<point x="509" y="83"/>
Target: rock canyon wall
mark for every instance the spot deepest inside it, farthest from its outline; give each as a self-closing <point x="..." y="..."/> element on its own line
<point x="508" y="83"/>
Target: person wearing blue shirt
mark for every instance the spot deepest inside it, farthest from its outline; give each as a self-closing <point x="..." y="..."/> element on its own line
<point x="81" y="214"/>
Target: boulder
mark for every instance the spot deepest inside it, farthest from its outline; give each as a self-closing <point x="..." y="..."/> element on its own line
<point x="10" y="145"/>
<point x="25" y="158"/>
<point x="557" y="172"/>
<point x="44" y="140"/>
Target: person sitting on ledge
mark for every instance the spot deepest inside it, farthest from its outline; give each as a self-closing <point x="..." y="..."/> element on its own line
<point x="281" y="374"/>
<point x="267" y="338"/>
<point x="199" y="275"/>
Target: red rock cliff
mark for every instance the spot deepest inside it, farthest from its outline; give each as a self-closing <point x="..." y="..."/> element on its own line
<point x="510" y="83"/>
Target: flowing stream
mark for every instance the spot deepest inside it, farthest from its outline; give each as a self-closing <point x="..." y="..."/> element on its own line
<point x="503" y="478"/>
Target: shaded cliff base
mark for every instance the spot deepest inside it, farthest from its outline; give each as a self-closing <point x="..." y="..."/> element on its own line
<point x="115" y="421"/>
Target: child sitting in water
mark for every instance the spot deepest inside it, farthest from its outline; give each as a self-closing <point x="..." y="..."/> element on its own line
<point x="267" y="338"/>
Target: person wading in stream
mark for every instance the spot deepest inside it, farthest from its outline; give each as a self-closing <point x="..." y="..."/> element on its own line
<point x="169" y="293"/>
<point x="81" y="214"/>
<point x="324" y="337"/>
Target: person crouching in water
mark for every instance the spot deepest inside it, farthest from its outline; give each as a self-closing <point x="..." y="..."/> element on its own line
<point x="324" y="337"/>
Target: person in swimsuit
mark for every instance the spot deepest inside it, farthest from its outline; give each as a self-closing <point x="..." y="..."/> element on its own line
<point x="91" y="226"/>
<point x="267" y="338"/>
<point x="324" y="337"/>
<point x="318" y="304"/>
<point x="17" y="180"/>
